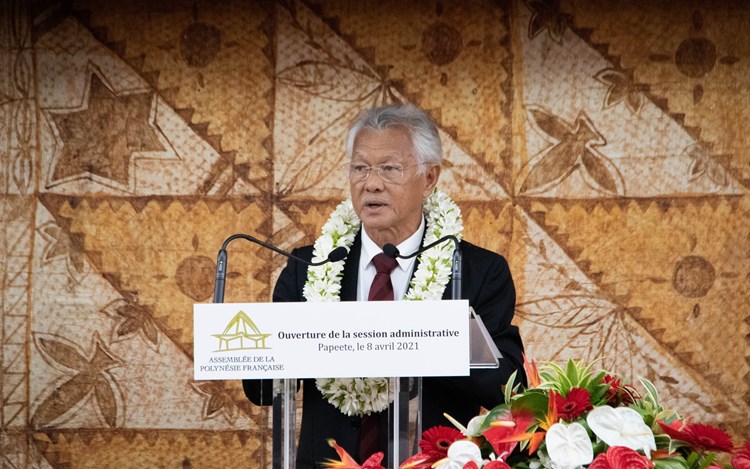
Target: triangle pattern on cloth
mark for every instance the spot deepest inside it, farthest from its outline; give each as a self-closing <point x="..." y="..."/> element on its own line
<point x="566" y="316"/>
<point x="62" y="289"/>
<point x="590" y="133"/>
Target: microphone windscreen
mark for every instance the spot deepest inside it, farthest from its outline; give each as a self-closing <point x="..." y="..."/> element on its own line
<point x="390" y="251"/>
<point x="338" y="254"/>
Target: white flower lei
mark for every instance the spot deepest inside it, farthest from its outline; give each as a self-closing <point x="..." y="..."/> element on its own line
<point x="363" y="396"/>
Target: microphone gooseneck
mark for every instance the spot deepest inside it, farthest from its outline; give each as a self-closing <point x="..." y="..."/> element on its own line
<point x="336" y="255"/>
<point x="392" y="251"/>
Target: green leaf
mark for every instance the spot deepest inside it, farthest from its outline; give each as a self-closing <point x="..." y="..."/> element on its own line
<point x="664" y="442"/>
<point x="535" y="402"/>
<point x="572" y="373"/>
<point x="677" y="462"/>
<point x="707" y="461"/>
<point x="597" y="394"/>
<point x="598" y="445"/>
<point x="509" y="386"/>
<point x="651" y="395"/>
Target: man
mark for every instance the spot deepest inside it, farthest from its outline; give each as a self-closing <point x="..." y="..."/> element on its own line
<point x="395" y="155"/>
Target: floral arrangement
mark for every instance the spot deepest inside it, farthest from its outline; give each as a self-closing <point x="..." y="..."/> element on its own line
<point x="570" y="417"/>
<point x="363" y="396"/>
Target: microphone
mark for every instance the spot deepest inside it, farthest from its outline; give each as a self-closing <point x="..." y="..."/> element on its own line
<point x="336" y="255"/>
<point x="392" y="251"/>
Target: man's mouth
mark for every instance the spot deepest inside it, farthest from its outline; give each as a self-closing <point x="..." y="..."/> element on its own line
<point x="374" y="204"/>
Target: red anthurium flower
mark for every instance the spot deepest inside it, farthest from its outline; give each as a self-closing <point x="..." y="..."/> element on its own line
<point x="373" y="462"/>
<point x="620" y="457"/>
<point x="436" y="441"/>
<point x="504" y="434"/>
<point x="419" y="461"/>
<point x="497" y="464"/>
<point x="699" y="436"/>
<point x="741" y="459"/>
<point x="490" y="465"/>
<point x="574" y="404"/>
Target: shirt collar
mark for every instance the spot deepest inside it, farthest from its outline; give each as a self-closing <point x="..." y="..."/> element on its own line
<point x="408" y="246"/>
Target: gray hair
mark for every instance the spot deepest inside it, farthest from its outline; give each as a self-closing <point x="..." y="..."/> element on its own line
<point x="423" y="133"/>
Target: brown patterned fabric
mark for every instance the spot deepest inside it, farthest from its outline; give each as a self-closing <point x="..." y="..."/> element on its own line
<point x="601" y="147"/>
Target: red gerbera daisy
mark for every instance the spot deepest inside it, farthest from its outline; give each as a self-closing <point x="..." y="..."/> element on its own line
<point x="436" y="441"/>
<point x="700" y="436"/>
<point x="574" y="404"/>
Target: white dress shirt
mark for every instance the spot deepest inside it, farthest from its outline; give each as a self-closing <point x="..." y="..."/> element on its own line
<point x="400" y="276"/>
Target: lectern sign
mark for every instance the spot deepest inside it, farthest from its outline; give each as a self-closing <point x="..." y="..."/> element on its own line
<point x="346" y="339"/>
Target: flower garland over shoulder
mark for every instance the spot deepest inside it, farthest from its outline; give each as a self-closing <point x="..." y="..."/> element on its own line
<point x="362" y="396"/>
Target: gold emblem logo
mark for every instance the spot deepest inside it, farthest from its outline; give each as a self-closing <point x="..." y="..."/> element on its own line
<point x="241" y="334"/>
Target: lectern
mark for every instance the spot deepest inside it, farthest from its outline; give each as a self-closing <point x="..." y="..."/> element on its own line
<point x="404" y="415"/>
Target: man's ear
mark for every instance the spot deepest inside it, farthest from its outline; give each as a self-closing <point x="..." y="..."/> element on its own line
<point x="431" y="178"/>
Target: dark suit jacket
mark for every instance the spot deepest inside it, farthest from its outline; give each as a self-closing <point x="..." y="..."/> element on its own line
<point x="488" y="286"/>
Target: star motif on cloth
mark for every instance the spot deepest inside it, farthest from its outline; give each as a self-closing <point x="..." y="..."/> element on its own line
<point x="100" y="138"/>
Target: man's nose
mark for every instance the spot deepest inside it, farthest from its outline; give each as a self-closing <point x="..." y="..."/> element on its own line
<point x="374" y="182"/>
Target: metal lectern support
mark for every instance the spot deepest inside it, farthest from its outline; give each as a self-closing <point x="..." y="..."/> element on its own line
<point x="398" y="424"/>
<point x="404" y="421"/>
<point x="284" y="422"/>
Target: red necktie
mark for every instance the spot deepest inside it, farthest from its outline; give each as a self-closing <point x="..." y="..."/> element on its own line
<point x="380" y="290"/>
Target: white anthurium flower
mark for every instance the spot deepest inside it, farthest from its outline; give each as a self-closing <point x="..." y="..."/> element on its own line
<point x="459" y="453"/>
<point x="474" y="426"/>
<point x="569" y="446"/>
<point x="622" y="426"/>
<point x="472" y="429"/>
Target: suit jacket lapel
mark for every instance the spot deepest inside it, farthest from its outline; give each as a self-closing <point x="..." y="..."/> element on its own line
<point x="351" y="271"/>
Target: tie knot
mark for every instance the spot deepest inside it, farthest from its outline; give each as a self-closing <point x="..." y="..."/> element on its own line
<point x="384" y="264"/>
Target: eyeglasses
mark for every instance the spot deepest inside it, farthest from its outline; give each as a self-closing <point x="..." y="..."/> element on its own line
<point x="359" y="172"/>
